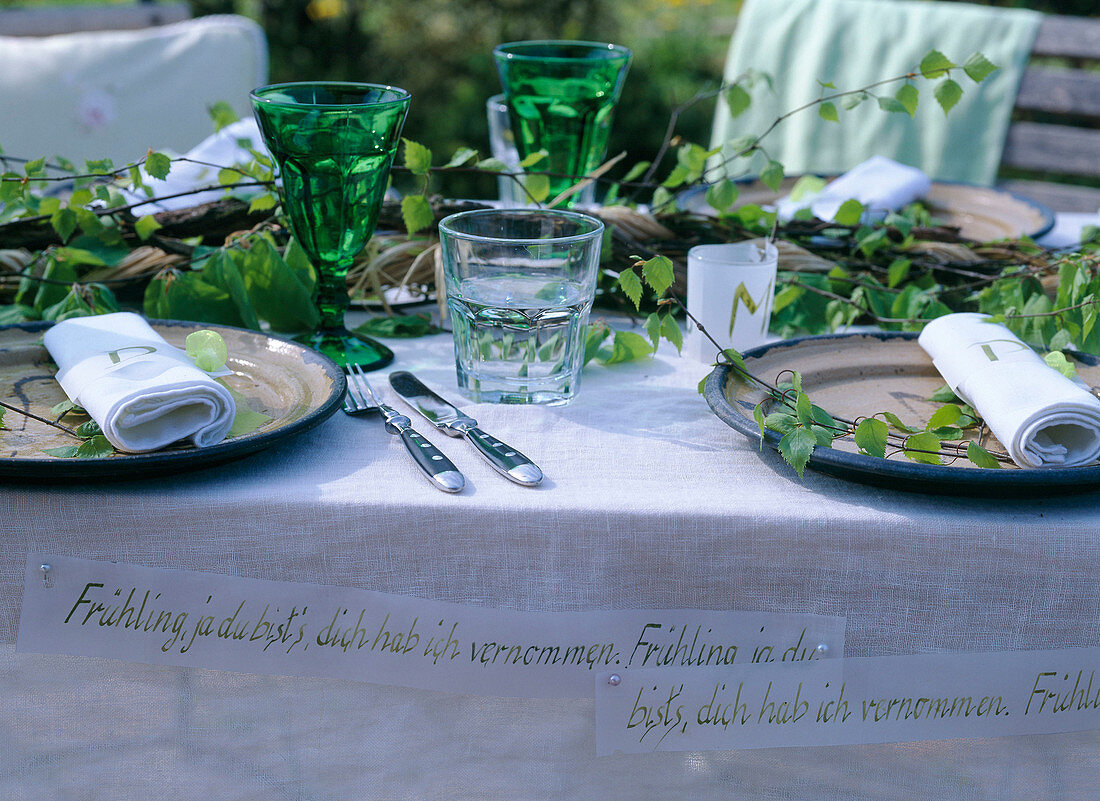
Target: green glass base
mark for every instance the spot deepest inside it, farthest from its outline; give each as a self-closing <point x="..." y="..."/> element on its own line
<point x="344" y="348"/>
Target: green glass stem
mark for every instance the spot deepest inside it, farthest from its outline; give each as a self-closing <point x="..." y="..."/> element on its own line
<point x="332" y="294"/>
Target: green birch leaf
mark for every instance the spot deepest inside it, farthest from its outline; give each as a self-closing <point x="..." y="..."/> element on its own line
<point x="978" y="68"/>
<point x="531" y="159"/>
<point x="264" y="202"/>
<point x="64" y="452"/>
<point x="492" y="165"/>
<point x="537" y="185"/>
<point x="849" y="213"/>
<point x="402" y="326"/>
<point x="772" y="176"/>
<point x="66" y="407"/>
<point x="827" y="112"/>
<point x="804" y="409"/>
<point x="824" y="436"/>
<point x="416" y="211"/>
<point x="759" y="417"/>
<point x="670" y="329"/>
<point x="870" y="436"/>
<point x="897" y="272"/>
<point x="222" y="114"/>
<point x="653" y="329"/>
<point x="679" y="175"/>
<point x="462" y="156"/>
<point x="895" y="423"/>
<point x="807" y="185"/>
<point x="418" y="159"/>
<point x="632" y="286"/>
<point x="735" y="359"/>
<point x="593" y="339"/>
<point x="943" y="395"/>
<point x="797" y="447"/>
<point x="628" y="347"/>
<point x="1058" y="361"/>
<point x="659" y="273"/>
<point x="95" y="448"/>
<point x="908" y="95"/>
<point x="246" y="420"/>
<point x="892" y="105"/>
<point x="738" y="100"/>
<point x="945" y="416"/>
<point x="952" y="433"/>
<point x="64" y="222"/>
<point x="722" y="195"/>
<point x="276" y="291"/>
<point x="158" y="165"/>
<point x="981" y="457"/>
<point x="88" y="429"/>
<point x="34" y="167"/>
<point x="780" y="422"/>
<point x="934" y="64"/>
<point x="222" y="271"/>
<point x="851" y="101"/>
<point x="637" y="171"/>
<point x="146" y="226"/>
<point x="207" y="350"/>
<point x="227" y="176"/>
<point x="948" y="94"/>
<point x="917" y="444"/>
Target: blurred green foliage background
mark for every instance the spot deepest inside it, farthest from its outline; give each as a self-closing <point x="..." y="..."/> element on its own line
<point x="440" y="51"/>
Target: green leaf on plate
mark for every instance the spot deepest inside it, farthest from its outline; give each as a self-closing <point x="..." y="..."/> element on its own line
<point x="870" y="436"/>
<point x="981" y="457"/>
<point x="797" y="447"/>
<point x="923" y="448"/>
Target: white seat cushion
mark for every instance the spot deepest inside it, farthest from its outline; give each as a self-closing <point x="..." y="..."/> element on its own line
<point x="116" y="94"/>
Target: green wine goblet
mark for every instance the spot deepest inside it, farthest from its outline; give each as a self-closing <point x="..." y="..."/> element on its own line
<point x="561" y="96"/>
<point x="333" y="143"/>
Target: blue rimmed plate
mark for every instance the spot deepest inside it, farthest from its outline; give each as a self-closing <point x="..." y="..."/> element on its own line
<point x="856" y="375"/>
<point x="296" y="387"/>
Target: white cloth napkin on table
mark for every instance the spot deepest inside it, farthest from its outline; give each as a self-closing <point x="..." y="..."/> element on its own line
<point x="221" y="149"/>
<point x="880" y="184"/>
<point x="1041" y="417"/>
<point x="143" y="392"/>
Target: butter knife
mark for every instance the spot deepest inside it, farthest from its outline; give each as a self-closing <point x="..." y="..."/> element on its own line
<point x="505" y="459"/>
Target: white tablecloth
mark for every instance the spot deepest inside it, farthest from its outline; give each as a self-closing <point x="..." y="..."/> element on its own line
<point x="649" y="502"/>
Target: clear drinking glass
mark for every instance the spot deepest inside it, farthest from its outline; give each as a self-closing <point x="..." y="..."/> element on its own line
<point x="561" y="96"/>
<point x="520" y="285"/>
<point x="333" y="143"/>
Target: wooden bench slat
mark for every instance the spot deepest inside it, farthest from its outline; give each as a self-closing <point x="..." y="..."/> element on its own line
<point x="1058" y="197"/>
<point x="71" y="19"/>
<point x="1053" y="148"/>
<point x="1064" y="92"/>
<point x="1068" y="37"/>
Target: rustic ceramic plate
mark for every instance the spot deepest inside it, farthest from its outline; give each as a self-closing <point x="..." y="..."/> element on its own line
<point x="853" y="375"/>
<point x="980" y="213"/>
<point x="293" y="385"/>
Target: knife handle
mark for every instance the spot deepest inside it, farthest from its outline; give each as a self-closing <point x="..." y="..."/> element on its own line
<point x="505" y="459"/>
<point x="441" y="470"/>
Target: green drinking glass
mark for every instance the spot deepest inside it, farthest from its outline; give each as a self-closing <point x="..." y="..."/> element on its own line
<point x="333" y="143"/>
<point x="561" y="96"/>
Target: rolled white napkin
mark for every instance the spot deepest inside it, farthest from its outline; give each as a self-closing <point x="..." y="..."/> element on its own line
<point x="880" y="184"/>
<point x="143" y="392"/>
<point x="1041" y="417"/>
<point x="221" y="149"/>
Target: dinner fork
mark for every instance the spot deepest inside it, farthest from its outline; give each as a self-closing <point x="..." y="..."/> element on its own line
<point x="431" y="461"/>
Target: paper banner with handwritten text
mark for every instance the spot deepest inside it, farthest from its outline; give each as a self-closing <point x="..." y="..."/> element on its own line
<point x="849" y="701"/>
<point x="206" y="620"/>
